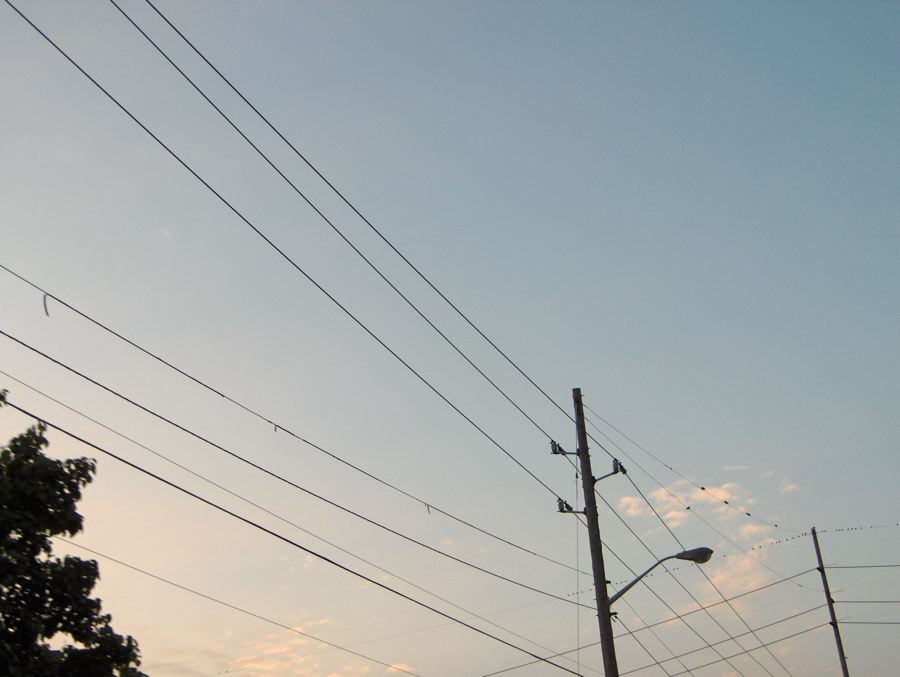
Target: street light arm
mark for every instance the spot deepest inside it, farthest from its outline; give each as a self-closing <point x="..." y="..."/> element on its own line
<point x="695" y="555"/>
<point x="628" y="587"/>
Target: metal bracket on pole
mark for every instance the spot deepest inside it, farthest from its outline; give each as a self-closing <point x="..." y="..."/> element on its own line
<point x="557" y="450"/>
<point x="617" y="468"/>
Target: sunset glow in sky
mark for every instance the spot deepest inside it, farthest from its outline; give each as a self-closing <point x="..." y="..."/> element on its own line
<point x="688" y="210"/>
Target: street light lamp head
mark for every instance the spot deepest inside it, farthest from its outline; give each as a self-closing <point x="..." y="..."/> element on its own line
<point x="696" y="555"/>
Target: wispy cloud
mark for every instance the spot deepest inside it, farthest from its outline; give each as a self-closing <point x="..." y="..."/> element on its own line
<point x="736" y="575"/>
<point x="276" y="654"/>
<point x="788" y="487"/>
<point x="727" y="503"/>
<point x="633" y="506"/>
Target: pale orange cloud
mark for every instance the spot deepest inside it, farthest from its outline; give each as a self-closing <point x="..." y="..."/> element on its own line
<point x="674" y="502"/>
<point x="633" y="506"/>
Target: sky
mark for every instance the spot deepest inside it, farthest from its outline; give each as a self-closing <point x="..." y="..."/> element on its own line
<point x="688" y="210"/>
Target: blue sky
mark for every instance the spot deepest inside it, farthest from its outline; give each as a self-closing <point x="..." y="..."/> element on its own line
<point x="689" y="210"/>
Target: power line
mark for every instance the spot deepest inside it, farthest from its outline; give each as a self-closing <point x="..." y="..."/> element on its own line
<point x="666" y="568"/>
<point x="278" y="426"/>
<point x="700" y="487"/>
<point x="346" y="201"/>
<point x="647" y="651"/>
<point x="268" y="241"/>
<point x="633" y="610"/>
<point x="674" y="657"/>
<point x="678" y="617"/>
<point x="870" y="622"/>
<point x="680" y="500"/>
<point x="656" y="594"/>
<point x="627" y="633"/>
<point x="371" y="226"/>
<point x="634" y="573"/>
<point x="675" y="578"/>
<point x="286" y="257"/>
<point x="729" y="599"/>
<point x="865" y="566"/>
<point x="742" y="550"/>
<point x="281" y="537"/>
<point x="765" y="645"/>
<point x="577" y="574"/>
<point x="277" y="516"/>
<point x="431" y="627"/>
<point x="669" y="606"/>
<point x="234" y="607"/>
<point x="687" y="507"/>
<point x="743" y="634"/>
<point x="355" y="210"/>
<point x="710" y="581"/>
<point x="328" y="221"/>
<point x="837" y="530"/>
<point x="284" y="480"/>
<point x="153" y="413"/>
<point x="342" y="307"/>
<point x="630" y="607"/>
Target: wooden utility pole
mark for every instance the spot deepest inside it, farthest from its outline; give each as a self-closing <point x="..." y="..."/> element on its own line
<point x="610" y="666"/>
<point x="830" y="600"/>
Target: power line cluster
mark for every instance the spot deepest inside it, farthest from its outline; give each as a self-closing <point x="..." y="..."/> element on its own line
<point x="684" y="503"/>
<point x="838" y="530"/>
<point x="429" y="384"/>
<point x="279" y="536"/>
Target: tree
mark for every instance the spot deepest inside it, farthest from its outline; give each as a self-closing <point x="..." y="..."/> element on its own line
<point x="44" y="598"/>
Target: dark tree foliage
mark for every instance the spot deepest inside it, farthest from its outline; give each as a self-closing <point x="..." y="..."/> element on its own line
<point x="44" y="597"/>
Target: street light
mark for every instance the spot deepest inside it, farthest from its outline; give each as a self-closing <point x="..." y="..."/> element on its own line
<point x="696" y="555"/>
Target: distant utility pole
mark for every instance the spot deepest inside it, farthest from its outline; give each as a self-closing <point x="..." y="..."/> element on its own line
<point x="610" y="666"/>
<point x="830" y="600"/>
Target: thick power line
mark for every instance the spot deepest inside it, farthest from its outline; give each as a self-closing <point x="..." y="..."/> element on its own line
<point x="700" y="487"/>
<point x="327" y="220"/>
<point x="285" y="256"/>
<point x="764" y="645"/>
<point x="711" y="582"/>
<point x="343" y="197"/>
<point x="234" y="607"/>
<point x="279" y="536"/>
<point x="672" y="575"/>
<point x="130" y="401"/>
<point x="279" y="517"/>
<point x="280" y="426"/>
<point x="659" y="664"/>
<point x="277" y="425"/>
<point x="287" y="481"/>
<point x="268" y="241"/>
